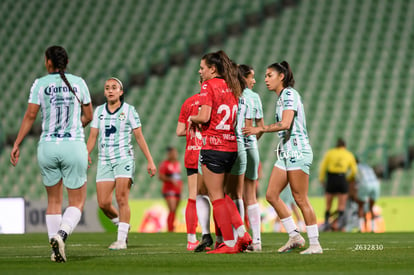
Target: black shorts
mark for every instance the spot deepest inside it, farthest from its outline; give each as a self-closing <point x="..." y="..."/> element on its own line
<point x="171" y="194"/>
<point x="337" y="183"/>
<point x="217" y="161"/>
<point x="191" y="171"/>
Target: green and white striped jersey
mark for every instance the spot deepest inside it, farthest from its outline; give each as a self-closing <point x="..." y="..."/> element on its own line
<point x="61" y="111"/>
<point x="241" y="116"/>
<point x="115" y="131"/>
<point x="254" y="111"/>
<point x="296" y="138"/>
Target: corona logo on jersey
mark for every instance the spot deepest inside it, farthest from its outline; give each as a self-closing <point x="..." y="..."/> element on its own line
<point x="56" y="89"/>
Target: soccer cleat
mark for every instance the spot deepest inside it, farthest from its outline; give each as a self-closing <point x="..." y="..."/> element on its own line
<point x="244" y="242"/>
<point x="52" y="257"/>
<point x="204" y="245"/>
<point x="313" y="249"/>
<point x="118" y="245"/>
<point x="58" y="246"/>
<point x="254" y="247"/>
<point x="217" y="244"/>
<point x="224" y="249"/>
<point x="292" y="243"/>
<point x="191" y="246"/>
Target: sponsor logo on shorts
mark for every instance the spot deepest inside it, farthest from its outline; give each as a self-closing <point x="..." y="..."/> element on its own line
<point x="127" y="168"/>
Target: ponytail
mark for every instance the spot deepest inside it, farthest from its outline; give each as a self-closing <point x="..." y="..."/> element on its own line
<point x="59" y="58"/>
<point x="240" y="76"/>
<point x="225" y="68"/>
<point x="284" y="68"/>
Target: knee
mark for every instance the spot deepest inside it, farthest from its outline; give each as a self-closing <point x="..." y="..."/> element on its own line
<point x="272" y="198"/>
<point x="301" y="201"/>
<point x="122" y="199"/>
<point x="104" y="205"/>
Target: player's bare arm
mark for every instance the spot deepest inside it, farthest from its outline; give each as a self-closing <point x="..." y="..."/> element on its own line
<point x="285" y="124"/>
<point x="87" y="114"/>
<point x="139" y="137"/>
<point x="28" y="120"/>
<point x="180" y="131"/>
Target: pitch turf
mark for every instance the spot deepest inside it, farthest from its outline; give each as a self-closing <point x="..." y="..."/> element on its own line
<point x="166" y="253"/>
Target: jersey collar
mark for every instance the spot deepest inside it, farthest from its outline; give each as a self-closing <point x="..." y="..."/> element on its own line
<point x="111" y="113"/>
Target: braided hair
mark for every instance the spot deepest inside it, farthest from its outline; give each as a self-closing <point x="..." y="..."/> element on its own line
<point x="59" y="58"/>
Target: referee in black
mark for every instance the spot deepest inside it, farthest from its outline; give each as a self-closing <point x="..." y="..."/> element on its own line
<point x="338" y="168"/>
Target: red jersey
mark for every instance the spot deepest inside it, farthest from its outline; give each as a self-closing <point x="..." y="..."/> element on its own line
<point x="171" y="169"/>
<point x="219" y="133"/>
<point x="189" y="108"/>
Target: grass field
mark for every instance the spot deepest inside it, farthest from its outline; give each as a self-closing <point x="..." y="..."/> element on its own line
<point x="165" y="253"/>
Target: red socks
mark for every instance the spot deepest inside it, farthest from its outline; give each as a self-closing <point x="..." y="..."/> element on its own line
<point x="222" y="216"/>
<point x="236" y="220"/>
<point x="218" y="231"/>
<point x="191" y="216"/>
<point x="170" y="221"/>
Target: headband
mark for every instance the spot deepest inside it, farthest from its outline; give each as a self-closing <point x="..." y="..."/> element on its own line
<point x="119" y="82"/>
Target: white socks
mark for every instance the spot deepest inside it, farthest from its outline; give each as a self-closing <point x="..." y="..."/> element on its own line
<point x="191" y="238"/>
<point x="313" y="234"/>
<point x="240" y="206"/>
<point x="361" y="224"/>
<point x="239" y="232"/>
<point x="230" y="243"/>
<point x="53" y="223"/>
<point x="115" y="221"/>
<point x="123" y="229"/>
<point x="70" y="219"/>
<point x="290" y="226"/>
<point x="253" y="211"/>
<point x="203" y="213"/>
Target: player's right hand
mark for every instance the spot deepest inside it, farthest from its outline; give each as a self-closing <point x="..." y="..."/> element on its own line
<point x="14" y="155"/>
<point x="89" y="161"/>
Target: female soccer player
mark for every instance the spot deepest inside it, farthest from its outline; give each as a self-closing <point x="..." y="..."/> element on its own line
<point x="198" y="205"/>
<point x="115" y="122"/>
<point x="170" y="175"/>
<point x="294" y="157"/>
<point x="254" y="116"/>
<point x="66" y="108"/>
<point x="218" y="99"/>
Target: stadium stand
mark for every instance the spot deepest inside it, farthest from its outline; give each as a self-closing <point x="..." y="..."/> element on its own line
<point x="351" y="60"/>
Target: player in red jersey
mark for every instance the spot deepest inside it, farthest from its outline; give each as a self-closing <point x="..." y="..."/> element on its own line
<point x="217" y="116"/>
<point x="198" y="204"/>
<point x="170" y="174"/>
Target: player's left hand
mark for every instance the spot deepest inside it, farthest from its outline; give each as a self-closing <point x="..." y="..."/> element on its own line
<point x="152" y="169"/>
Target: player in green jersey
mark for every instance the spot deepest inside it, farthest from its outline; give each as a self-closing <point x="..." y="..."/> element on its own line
<point x="66" y="108"/>
<point x="253" y="116"/>
<point x="294" y="155"/>
<point x="115" y="122"/>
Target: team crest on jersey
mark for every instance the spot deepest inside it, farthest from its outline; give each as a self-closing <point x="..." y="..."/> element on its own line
<point x="122" y="116"/>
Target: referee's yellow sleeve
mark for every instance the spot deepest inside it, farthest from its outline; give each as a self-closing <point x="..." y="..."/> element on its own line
<point x="322" y="171"/>
<point x="353" y="167"/>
